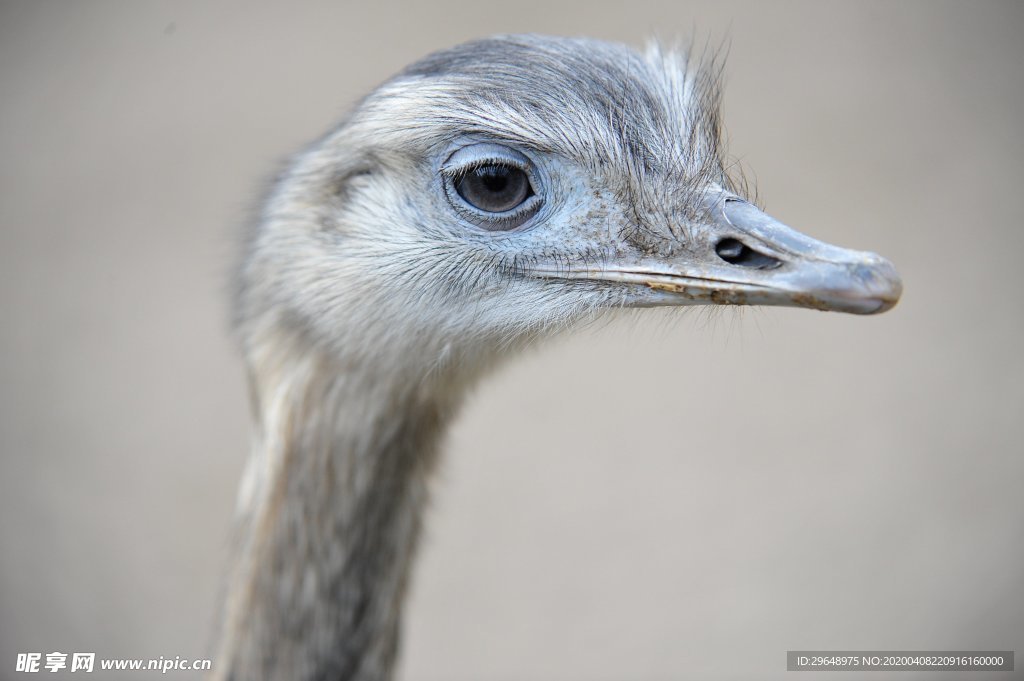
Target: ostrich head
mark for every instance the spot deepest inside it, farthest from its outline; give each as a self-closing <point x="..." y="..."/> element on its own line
<point x="486" y="195"/>
<point x="516" y="184"/>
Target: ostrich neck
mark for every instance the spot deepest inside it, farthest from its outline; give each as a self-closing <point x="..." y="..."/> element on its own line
<point x="329" y="515"/>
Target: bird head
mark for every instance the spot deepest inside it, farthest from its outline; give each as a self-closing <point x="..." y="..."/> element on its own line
<point x="517" y="184"/>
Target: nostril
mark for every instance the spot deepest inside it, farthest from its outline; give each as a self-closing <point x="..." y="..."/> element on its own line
<point x="735" y="252"/>
<point x="729" y="249"/>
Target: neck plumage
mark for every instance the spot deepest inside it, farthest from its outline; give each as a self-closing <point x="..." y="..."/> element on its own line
<point x="329" y="515"/>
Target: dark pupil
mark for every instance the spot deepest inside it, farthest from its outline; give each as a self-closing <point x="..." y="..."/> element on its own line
<point x="494" y="188"/>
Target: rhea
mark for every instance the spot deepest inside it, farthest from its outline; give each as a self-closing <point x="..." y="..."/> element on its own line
<point x="484" y="198"/>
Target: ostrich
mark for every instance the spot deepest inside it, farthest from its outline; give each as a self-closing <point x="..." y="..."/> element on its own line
<point x="486" y="197"/>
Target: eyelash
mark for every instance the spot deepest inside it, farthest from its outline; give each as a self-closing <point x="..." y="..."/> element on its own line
<point x="457" y="173"/>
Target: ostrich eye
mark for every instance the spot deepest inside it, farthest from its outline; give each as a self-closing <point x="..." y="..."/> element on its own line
<point x="494" y="187"/>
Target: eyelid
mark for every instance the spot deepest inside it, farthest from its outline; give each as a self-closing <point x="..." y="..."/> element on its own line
<point x="457" y="171"/>
<point x="475" y="155"/>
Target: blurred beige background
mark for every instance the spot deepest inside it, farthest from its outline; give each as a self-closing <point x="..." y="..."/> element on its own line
<point x="657" y="499"/>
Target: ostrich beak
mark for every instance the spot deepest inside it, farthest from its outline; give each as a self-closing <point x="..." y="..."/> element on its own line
<point x="740" y="255"/>
<point x="754" y="259"/>
<point x="786" y="267"/>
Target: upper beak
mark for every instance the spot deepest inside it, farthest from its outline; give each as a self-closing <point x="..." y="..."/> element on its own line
<point x="742" y="256"/>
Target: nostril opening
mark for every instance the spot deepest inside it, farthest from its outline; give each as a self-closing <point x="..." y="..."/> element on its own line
<point x="735" y="252"/>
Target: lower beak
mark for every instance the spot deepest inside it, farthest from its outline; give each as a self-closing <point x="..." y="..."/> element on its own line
<point x="749" y="258"/>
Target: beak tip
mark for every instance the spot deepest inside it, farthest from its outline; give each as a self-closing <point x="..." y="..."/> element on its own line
<point x="866" y="285"/>
<point x="881" y="281"/>
<point x="874" y="286"/>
